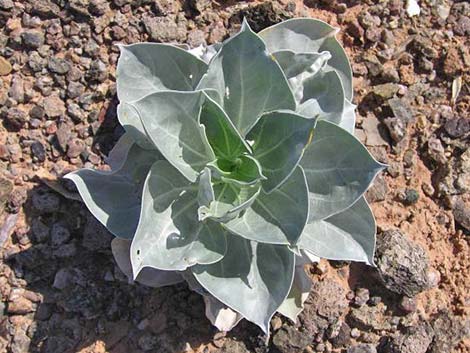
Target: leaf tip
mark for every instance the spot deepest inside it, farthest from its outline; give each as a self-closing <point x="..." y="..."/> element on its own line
<point x="245" y="26"/>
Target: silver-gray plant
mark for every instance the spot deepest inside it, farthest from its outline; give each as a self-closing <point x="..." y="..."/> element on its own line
<point x="238" y="166"/>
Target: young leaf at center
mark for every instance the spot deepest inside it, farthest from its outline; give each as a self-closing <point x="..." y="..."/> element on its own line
<point x="280" y="138"/>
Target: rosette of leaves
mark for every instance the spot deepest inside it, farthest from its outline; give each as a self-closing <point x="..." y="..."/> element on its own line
<point x="238" y="166"/>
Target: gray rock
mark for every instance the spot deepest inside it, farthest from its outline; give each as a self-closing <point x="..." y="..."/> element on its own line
<point x="38" y="151"/>
<point x="59" y="234"/>
<point x="233" y="346"/>
<point x="16" y="90"/>
<point x="408" y="305"/>
<point x="396" y="128"/>
<point x="361" y="296"/>
<point x="45" y="8"/>
<point x="368" y="318"/>
<point x="33" y="38"/>
<point x="401" y="110"/>
<point x="362" y="348"/>
<point x="342" y="337"/>
<point x="164" y="29"/>
<point x="325" y="305"/>
<point x="53" y="106"/>
<point x="386" y="90"/>
<point x="75" y="112"/>
<point x="412" y="340"/>
<point x="63" y="278"/>
<point x="21" y="342"/>
<point x="375" y="131"/>
<point x="436" y="151"/>
<point x="75" y="89"/>
<point x="409" y="196"/>
<point x="58" y="65"/>
<point x="46" y="202"/>
<point x="98" y="7"/>
<point x="6" y="187"/>
<point x="401" y="264"/>
<point x="290" y="340"/>
<point x="80" y="7"/>
<point x="461" y="212"/>
<point x="75" y="147"/>
<point x="448" y="331"/>
<point x="37" y="112"/>
<point x="98" y="71"/>
<point x="388" y="74"/>
<point x="457" y="127"/>
<point x="196" y="38"/>
<point x="120" y="3"/>
<point x="6" y="4"/>
<point x="16" y="118"/>
<point x="16" y="199"/>
<point x="63" y="136"/>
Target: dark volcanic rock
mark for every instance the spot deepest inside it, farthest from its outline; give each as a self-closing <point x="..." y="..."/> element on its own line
<point x="341" y="337"/>
<point x="33" y="38"/>
<point x="413" y="340"/>
<point x="58" y="66"/>
<point x="448" y="331"/>
<point x="457" y="127"/>
<point x="38" y="151"/>
<point x="402" y="265"/>
<point x="369" y="318"/>
<point x="289" y="340"/>
<point x="164" y="29"/>
<point x="461" y="212"/>
<point x="16" y="118"/>
<point x="326" y="304"/>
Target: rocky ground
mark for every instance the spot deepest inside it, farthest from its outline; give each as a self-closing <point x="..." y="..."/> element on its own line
<point x="60" y="290"/>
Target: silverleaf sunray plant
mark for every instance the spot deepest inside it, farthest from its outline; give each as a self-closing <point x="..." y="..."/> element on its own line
<point x="238" y="166"/>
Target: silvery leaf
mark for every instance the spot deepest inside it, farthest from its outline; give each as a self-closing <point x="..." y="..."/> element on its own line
<point x="252" y="279"/>
<point x="278" y="217"/>
<point x="130" y="120"/>
<point x="298" y="67"/>
<point x="145" y="68"/>
<point x="339" y="169"/>
<point x="169" y="235"/>
<point x="150" y="277"/>
<point x="348" y="236"/>
<point x="348" y="121"/>
<point x="114" y="197"/>
<point x="323" y="96"/>
<point x="302" y="35"/>
<point x="171" y="120"/>
<point x="248" y="82"/>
